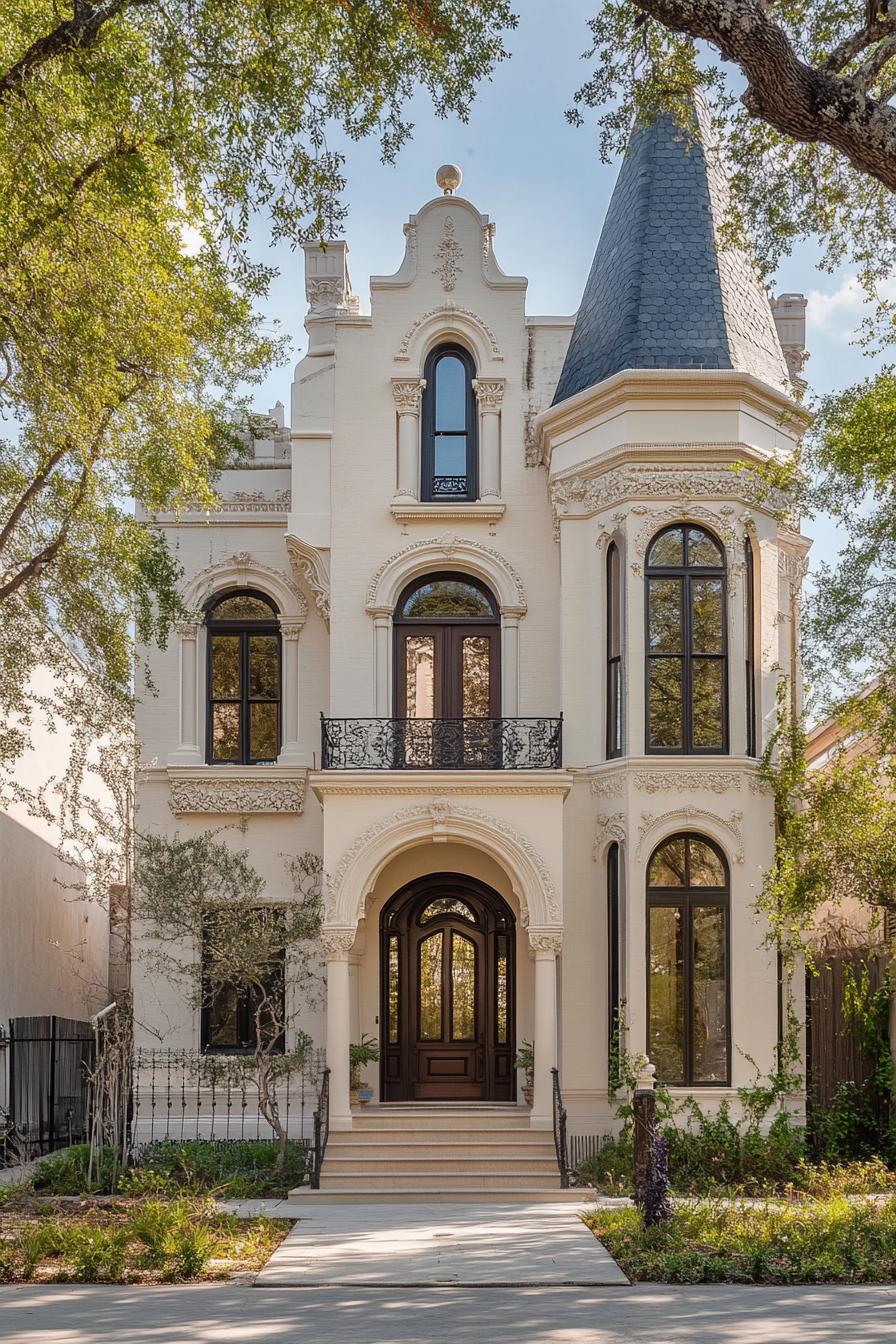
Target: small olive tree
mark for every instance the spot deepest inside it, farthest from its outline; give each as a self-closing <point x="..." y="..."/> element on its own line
<point x="200" y="890"/>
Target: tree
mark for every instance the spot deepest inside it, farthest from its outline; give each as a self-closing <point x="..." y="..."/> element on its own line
<point x="140" y="137"/>
<point x="199" y="890"/>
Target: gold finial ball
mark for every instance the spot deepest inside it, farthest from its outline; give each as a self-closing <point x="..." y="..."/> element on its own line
<point x="449" y="178"/>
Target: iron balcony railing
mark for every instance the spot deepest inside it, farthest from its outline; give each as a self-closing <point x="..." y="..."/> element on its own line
<point x="441" y="744"/>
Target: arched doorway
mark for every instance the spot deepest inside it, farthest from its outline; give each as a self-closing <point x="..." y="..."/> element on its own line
<point x="447" y="992"/>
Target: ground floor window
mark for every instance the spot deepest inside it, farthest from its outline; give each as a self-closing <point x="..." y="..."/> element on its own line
<point x="236" y="1016"/>
<point x="688" y="1034"/>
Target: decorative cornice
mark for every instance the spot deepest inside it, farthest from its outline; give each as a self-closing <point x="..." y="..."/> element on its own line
<point x="687" y="781"/>
<point x="489" y="393"/>
<point x="407" y="393"/>
<point x="247" y="790"/>
<point x="404" y="510"/>
<point x="399" y="783"/>
<point x="449" y="255"/>
<point x="309" y="562"/>
<point x="583" y="495"/>
<point x="447" y="310"/>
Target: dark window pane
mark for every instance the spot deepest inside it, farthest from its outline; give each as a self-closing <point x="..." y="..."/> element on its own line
<point x="664" y="622"/>
<point x="263" y="736"/>
<point x="264" y="667"/>
<point x="707" y="625"/>
<point x="463" y="988"/>
<point x="451" y="393"/>
<point x="430" y="954"/>
<point x="668" y="549"/>
<point x="451" y="455"/>
<point x="614" y="632"/>
<point x="223" y="1017"/>
<point x="710" y="1008"/>
<point x="665" y="1031"/>
<point x="664" y="693"/>
<point x="393" y="989"/>
<point x="707" y="869"/>
<point x="666" y="868"/>
<point x="225" y="667"/>
<point x="703" y="550"/>
<point x="708" y="725"/>
<point x="242" y="607"/>
<point x="447" y="597"/>
<point x="225" y="732"/>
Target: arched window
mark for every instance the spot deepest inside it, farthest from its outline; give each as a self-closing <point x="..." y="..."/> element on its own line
<point x="614" y="652"/>
<point x="687" y="962"/>
<point x="687" y="700"/>
<point x="750" y="644"/>
<point x="448" y="449"/>
<point x="243" y="721"/>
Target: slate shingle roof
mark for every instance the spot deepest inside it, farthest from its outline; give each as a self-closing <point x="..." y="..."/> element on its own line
<point x="662" y="292"/>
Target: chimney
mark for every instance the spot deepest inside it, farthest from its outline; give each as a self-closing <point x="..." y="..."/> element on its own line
<point x="789" y="312"/>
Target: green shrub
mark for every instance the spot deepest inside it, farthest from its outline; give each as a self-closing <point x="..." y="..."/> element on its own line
<point x="65" y="1172"/>
<point x="239" y="1168"/>
<point x="179" y="1237"/>
<point x="96" y="1254"/>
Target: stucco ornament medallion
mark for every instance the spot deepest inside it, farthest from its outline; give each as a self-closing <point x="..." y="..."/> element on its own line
<point x="606" y="830"/>
<point x="245" y="795"/>
<point x="449" y="254"/>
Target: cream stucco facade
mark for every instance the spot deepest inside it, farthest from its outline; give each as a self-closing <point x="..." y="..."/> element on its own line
<point x="331" y="522"/>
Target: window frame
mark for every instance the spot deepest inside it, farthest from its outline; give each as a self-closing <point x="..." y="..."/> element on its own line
<point x="614" y="1000"/>
<point x="750" y="644"/>
<point x="685" y="573"/>
<point x="686" y="897"/>
<point x="615" y="715"/>
<point x="428" y="428"/>
<point x="244" y="1011"/>
<point x="244" y="629"/>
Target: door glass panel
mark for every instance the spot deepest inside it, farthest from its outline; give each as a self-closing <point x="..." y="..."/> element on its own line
<point x="706" y="615"/>
<point x="225" y="732"/>
<point x="263" y="734"/>
<point x="419" y="676"/>
<point x="664" y="624"/>
<point x="451" y="394"/>
<point x="710" y="1024"/>
<point x="430" y="953"/>
<point x="447" y="905"/>
<point x="665" y="702"/>
<point x="393" y="989"/>
<point x="463" y="988"/>
<point x="665" y="1032"/>
<point x="264" y="667"/>
<point x="502" y="989"/>
<point x="475" y="665"/>
<point x="709" y="719"/>
<point x="225" y="667"/>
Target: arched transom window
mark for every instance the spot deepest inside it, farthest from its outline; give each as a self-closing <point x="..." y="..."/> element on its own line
<point x="448" y="449"/>
<point x="687" y="709"/>
<point x="687" y="962"/>
<point x="243" y="720"/>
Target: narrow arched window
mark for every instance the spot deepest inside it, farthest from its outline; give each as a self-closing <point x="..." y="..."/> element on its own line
<point x="614" y="1007"/>
<point x="750" y="644"/>
<point x="688" y="1035"/>
<point x="687" y="678"/>
<point x="243" y="720"/>
<point x="614" y="652"/>
<point x="448" y="449"/>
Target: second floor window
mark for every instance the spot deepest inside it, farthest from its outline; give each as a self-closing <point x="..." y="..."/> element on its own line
<point x="448" y="449"/>
<point x="243" y="680"/>
<point x="614" y="652"/>
<point x="687" y="673"/>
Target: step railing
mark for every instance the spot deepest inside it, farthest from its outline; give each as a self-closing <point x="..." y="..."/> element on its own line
<point x="321" y="1130"/>
<point x="560" y="1137"/>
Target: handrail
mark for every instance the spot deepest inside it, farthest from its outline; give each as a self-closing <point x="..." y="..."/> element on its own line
<point x="560" y="1143"/>
<point x="442" y="744"/>
<point x="321" y="1130"/>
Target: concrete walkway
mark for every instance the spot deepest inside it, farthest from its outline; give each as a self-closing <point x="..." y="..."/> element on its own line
<point x="423" y="1245"/>
<point x="650" y="1314"/>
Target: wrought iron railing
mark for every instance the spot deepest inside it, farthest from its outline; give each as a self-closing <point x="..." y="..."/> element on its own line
<point x="321" y="1130"/>
<point x="560" y="1138"/>
<point x="441" y="744"/>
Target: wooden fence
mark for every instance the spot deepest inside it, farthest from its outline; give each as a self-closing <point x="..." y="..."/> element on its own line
<point x="834" y="1039"/>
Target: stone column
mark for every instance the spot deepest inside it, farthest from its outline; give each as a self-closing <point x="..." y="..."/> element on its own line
<point x="382" y="632"/>
<point x="489" y="394"/>
<point x="407" y="393"/>
<point x="188" y="751"/>
<point x="290" y="628"/>
<point x="510" y="661"/>
<point x="336" y="944"/>
<point x="546" y="943"/>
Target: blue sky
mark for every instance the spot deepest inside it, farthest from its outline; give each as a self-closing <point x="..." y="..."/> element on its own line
<point x="542" y="182"/>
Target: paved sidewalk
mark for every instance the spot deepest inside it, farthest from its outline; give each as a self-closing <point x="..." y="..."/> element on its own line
<point x="215" y="1313"/>
<point x="426" y="1245"/>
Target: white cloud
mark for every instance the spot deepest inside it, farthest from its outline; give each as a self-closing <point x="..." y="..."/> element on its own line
<point x="839" y="312"/>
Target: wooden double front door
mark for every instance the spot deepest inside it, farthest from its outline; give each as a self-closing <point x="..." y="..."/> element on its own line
<point x="447" y="959"/>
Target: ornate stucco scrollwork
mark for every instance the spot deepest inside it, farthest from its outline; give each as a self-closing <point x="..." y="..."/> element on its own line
<point x="337" y="942"/>
<point x="449" y="255"/>
<point x="607" y="828"/>
<point x="308" y="561"/>
<point x="406" y="393"/>
<point x="242" y="795"/>
<point x="592" y="492"/>
<point x="687" y="781"/>
<point x="545" y="940"/>
<point x="489" y="392"/>
<point x="608" y="786"/>
<point x="690" y="816"/>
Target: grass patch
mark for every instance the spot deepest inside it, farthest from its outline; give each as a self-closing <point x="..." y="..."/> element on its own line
<point x="833" y="1240"/>
<point x="130" y="1241"/>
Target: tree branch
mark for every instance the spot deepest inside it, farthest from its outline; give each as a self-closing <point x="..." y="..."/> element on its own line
<point x="78" y="33"/>
<point x="34" y="487"/>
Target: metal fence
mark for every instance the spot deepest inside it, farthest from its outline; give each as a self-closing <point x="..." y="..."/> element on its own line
<point x="50" y="1059"/>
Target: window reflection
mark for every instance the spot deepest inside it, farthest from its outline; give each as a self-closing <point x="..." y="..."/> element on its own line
<point x="463" y="988"/>
<point x="430" y="953"/>
<point x="447" y="905"/>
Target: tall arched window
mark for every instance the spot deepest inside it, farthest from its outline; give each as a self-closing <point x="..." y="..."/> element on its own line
<point x="614" y="652"/>
<point x="448" y="449"/>
<point x="688" y="1035"/>
<point x="750" y="644"/>
<point x="243" y="720"/>
<point x="687" y="680"/>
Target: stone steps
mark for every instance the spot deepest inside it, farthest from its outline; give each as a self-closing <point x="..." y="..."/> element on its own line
<point x="490" y="1194"/>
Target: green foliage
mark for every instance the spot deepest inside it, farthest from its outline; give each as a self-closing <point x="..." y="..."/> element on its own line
<point x="235" y="1168"/>
<point x="826" y="1241"/>
<point x="66" y="1172"/>
<point x="177" y="1244"/>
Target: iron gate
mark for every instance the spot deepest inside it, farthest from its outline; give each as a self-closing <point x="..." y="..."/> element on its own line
<point x="50" y="1059"/>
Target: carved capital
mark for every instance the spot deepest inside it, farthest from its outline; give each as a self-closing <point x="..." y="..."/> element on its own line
<point x="337" y="942"/>
<point x="189" y="629"/>
<point x="290" y="627"/>
<point x="406" y="393"/>
<point x="546" y="940"/>
<point x="489" y="393"/>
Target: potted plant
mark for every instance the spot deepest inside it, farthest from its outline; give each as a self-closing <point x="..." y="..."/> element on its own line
<point x="365" y="1051"/>
<point x="525" y="1059"/>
